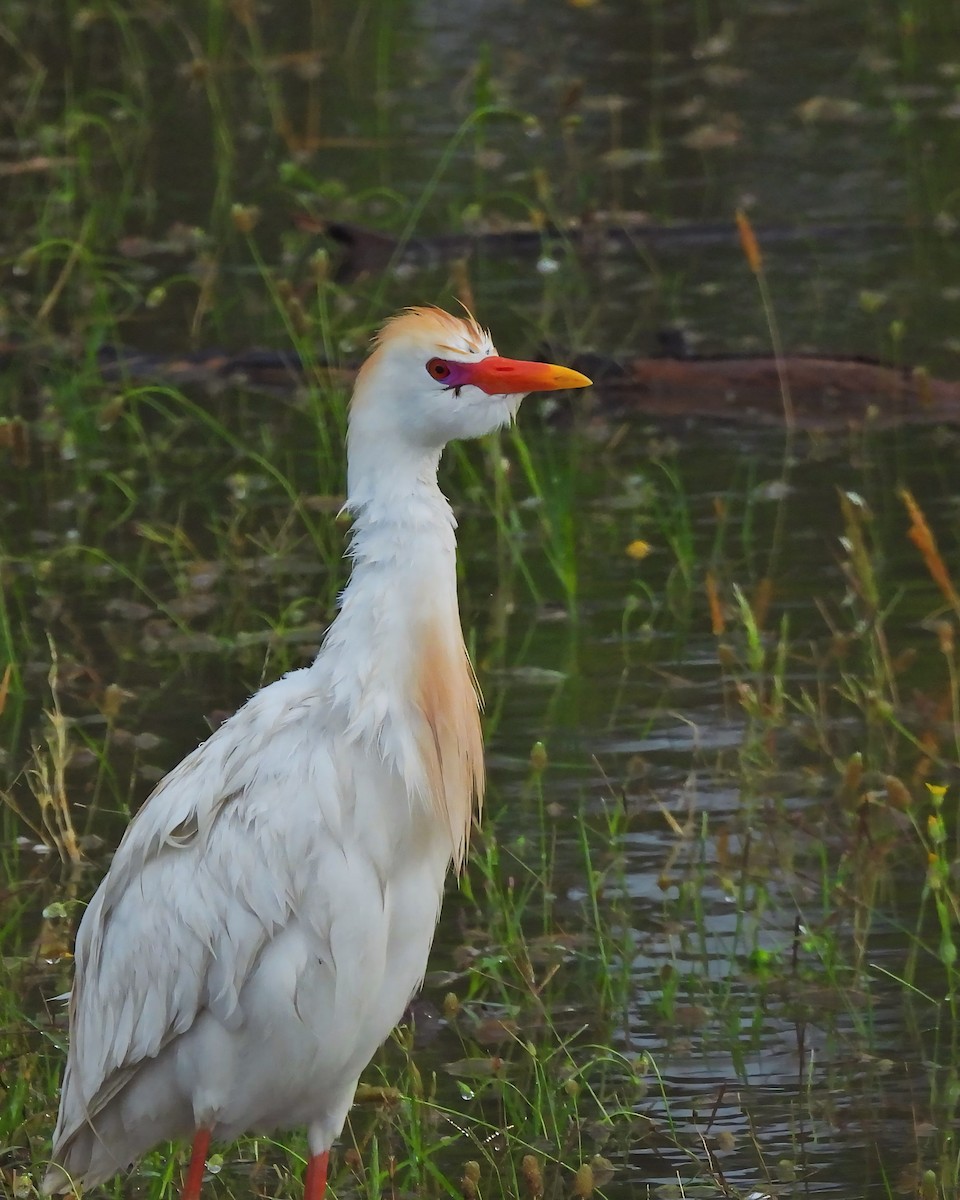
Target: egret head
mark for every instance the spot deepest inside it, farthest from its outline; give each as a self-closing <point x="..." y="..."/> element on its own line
<point x="433" y="377"/>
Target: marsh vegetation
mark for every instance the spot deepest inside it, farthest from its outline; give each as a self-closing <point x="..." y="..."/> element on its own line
<point x="706" y="944"/>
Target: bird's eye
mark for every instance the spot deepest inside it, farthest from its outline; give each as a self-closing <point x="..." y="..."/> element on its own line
<point x="438" y="368"/>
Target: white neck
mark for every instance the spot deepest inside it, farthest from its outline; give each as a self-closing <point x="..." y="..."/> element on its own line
<point x="383" y="479"/>
<point x="393" y="664"/>
<point x="403" y="581"/>
<point x="403" y="543"/>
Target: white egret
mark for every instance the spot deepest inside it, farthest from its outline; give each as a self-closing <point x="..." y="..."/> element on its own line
<point x="269" y="912"/>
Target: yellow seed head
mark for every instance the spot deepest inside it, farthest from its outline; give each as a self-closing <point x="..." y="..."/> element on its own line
<point x="532" y="1176"/>
<point x="244" y="217"/>
<point x="749" y="243"/>
<point x="583" y="1182"/>
<point x="937" y="792"/>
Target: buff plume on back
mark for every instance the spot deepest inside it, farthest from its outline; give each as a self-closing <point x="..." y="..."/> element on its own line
<point x="268" y="914"/>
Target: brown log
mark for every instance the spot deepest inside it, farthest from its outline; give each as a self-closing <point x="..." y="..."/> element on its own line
<point x="361" y="251"/>
<point x="825" y="392"/>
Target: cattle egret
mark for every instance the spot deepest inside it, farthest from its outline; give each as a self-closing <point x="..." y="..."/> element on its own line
<point x="268" y="914"/>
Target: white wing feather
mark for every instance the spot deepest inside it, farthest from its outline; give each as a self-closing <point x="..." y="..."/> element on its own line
<point x="270" y="824"/>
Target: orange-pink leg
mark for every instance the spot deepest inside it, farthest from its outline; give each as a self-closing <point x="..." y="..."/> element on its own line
<point x="198" y="1161"/>
<point x="315" y="1183"/>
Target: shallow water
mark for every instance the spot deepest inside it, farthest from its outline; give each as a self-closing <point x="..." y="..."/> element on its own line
<point x="803" y="114"/>
<point x="825" y="1080"/>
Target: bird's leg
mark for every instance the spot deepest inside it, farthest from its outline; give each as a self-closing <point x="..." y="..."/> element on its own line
<point x="315" y="1182"/>
<point x="198" y="1160"/>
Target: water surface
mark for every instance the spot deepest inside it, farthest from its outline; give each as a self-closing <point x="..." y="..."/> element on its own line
<point x="714" y="834"/>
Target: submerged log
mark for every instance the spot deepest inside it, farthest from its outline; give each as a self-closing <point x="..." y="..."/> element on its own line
<point x="361" y="251"/>
<point x="825" y="393"/>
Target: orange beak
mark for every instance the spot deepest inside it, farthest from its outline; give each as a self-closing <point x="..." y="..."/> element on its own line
<point x="511" y="376"/>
